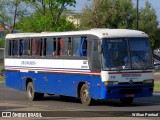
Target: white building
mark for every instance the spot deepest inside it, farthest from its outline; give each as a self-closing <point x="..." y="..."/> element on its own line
<point x="74" y="20"/>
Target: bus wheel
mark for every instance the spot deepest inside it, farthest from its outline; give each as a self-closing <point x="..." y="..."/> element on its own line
<point x="31" y="94"/>
<point x="126" y="101"/>
<point x="84" y="95"/>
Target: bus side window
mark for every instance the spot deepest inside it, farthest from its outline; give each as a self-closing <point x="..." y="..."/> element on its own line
<point x="55" y="47"/>
<point x="25" y="47"/>
<point x="59" y="46"/>
<point x="15" y="48"/>
<point x="69" y="51"/>
<point x="64" y="46"/>
<point x="83" y="46"/>
<point x="76" y="46"/>
<point x="21" y="47"/>
<point x="49" y="47"/>
<point x="35" y="47"/>
<point x="9" y="46"/>
<point x="41" y="48"/>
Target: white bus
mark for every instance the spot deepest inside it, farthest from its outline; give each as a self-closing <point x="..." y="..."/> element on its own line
<point x="90" y="64"/>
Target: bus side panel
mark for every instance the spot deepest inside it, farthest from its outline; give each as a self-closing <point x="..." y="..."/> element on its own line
<point x="51" y="83"/>
<point x="69" y="84"/>
<point x="64" y="84"/>
<point x="95" y="88"/>
<point x="36" y="78"/>
<point x="12" y="79"/>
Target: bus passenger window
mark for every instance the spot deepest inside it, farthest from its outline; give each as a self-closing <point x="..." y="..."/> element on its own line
<point x="9" y="46"/>
<point x="21" y="47"/>
<point x="41" y="48"/>
<point x="83" y="47"/>
<point x="15" y="48"/>
<point x="54" y="47"/>
<point x="49" y="46"/>
<point x="76" y="46"/>
<point x="64" y="46"/>
<point x="69" y="51"/>
<point x="35" y="47"/>
<point x="60" y="45"/>
<point x="25" y="47"/>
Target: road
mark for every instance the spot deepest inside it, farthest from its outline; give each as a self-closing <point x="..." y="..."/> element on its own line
<point x="157" y="77"/>
<point x="13" y="100"/>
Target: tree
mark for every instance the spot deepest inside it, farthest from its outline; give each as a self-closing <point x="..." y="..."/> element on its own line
<point x="51" y="9"/>
<point x="120" y="14"/>
<point x="148" y="21"/>
<point x="38" y="23"/>
<point x="10" y="11"/>
<point x="157" y="38"/>
<point x="108" y="14"/>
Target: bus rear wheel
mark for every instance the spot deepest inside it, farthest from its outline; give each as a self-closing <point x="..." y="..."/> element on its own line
<point x="126" y="101"/>
<point x="84" y="95"/>
<point x="31" y="94"/>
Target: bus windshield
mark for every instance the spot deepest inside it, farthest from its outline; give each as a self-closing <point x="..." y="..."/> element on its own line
<point x="126" y="53"/>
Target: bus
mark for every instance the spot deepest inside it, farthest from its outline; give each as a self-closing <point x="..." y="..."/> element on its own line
<point x="96" y="64"/>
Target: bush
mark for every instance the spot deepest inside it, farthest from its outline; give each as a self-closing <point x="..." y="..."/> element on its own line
<point x="2" y="42"/>
<point x="1" y="70"/>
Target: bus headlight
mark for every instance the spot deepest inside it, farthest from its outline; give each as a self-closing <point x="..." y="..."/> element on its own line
<point x="148" y="81"/>
<point x="111" y="82"/>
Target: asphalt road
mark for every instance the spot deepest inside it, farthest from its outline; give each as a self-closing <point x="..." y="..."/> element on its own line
<point x="13" y="100"/>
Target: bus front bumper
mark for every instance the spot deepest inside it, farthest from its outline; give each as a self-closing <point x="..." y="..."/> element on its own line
<point x="123" y="91"/>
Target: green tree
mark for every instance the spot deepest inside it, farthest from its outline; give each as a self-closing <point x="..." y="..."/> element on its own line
<point x="157" y="38"/>
<point x="120" y="14"/>
<point x="148" y="21"/>
<point x="38" y="23"/>
<point x="108" y="14"/>
<point x="50" y="13"/>
<point x="10" y="11"/>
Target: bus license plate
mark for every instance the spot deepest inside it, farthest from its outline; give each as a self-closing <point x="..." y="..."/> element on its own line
<point x="129" y="95"/>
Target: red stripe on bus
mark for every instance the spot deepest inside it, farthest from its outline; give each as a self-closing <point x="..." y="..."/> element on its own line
<point x="129" y="72"/>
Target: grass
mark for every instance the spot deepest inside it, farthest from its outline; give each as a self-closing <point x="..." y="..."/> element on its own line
<point x="157" y="86"/>
<point x="1" y="67"/>
<point x="1" y="79"/>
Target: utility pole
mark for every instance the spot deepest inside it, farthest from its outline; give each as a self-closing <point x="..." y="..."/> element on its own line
<point x="137" y="17"/>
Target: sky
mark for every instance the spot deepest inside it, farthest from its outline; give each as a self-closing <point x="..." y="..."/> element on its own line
<point x="155" y="4"/>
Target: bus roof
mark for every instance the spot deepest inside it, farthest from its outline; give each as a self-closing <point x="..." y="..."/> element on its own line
<point x="99" y="32"/>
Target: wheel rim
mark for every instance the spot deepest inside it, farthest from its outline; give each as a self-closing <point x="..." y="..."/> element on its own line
<point x="85" y="95"/>
<point x="30" y="92"/>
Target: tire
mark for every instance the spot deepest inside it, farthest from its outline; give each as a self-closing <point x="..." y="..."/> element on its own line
<point x="126" y="101"/>
<point x="31" y="94"/>
<point x="84" y="96"/>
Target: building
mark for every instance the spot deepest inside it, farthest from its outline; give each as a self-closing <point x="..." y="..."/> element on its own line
<point x="74" y="20"/>
<point x="2" y="32"/>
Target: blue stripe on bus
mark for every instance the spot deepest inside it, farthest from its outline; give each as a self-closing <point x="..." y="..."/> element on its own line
<point x="63" y="84"/>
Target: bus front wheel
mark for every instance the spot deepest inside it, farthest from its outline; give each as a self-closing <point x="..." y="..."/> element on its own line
<point x="126" y="101"/>
<point x="84" y="95"/>
<point x="31" y="94"/>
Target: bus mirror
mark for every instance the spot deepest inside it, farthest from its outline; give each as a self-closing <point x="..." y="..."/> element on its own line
<point x="99" y="49"/>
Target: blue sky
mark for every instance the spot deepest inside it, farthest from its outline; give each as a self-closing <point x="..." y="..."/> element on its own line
<point x="155" y="4"/>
